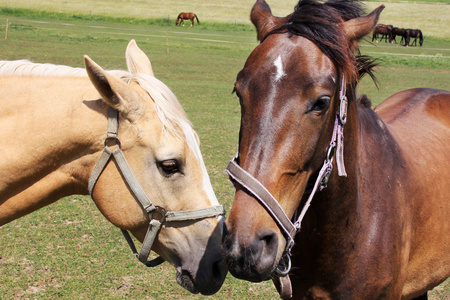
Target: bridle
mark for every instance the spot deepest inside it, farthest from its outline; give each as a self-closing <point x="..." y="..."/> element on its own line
<point x="157" y="214"/>
<point x="268" y="201"/>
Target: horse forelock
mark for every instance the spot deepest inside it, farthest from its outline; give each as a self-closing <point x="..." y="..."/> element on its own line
<point x="169" y="110"/>
<point x="320" y="22"/>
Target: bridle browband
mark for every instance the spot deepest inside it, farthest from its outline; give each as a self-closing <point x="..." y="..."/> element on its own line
<point x="268" y="201"/>
<point x="157" y="215"/>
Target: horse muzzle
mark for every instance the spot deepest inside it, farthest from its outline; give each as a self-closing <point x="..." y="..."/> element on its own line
<point x="253" y="261"/>
<point x="207" y="280"/>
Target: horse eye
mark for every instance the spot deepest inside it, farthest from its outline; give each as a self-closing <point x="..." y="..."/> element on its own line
<point x="169" y="166"/>
<point x="321" y="104"/>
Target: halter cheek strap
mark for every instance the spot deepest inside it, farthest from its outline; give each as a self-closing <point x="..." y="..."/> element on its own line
<point x="158" y="215"/>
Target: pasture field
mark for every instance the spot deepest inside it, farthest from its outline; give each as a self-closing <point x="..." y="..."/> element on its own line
<point x="68" y="249"/>
<point x="421" y="14"/>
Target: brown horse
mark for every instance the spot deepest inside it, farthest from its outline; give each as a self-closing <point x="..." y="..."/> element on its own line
<point x="415" y="34"/>
<point x="62" y="137"/>
<point x="186" y="16"/>
<point x="359" y="198"/>
<point x="384" y="30"/>
<point x="398" y="32"/>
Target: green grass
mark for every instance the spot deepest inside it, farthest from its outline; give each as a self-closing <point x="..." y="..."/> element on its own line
<point x="69" y="250"/>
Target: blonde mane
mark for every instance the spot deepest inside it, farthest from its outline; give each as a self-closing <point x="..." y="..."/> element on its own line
<point x="169" y="110"/>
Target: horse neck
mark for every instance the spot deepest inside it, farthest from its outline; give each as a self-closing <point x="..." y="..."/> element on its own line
<point x="371" y="157"/>
<point x="65" y="129"/>
<point x="359" y="216"/>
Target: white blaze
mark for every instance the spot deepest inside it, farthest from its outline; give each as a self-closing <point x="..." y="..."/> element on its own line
<point x="280" y="71"/>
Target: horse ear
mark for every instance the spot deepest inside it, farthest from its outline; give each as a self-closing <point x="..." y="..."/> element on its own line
<point x="261" y="16"/>
<point x="113" y="91"/>
<point x="357" y="28"/>
<point x="137" y="61"/>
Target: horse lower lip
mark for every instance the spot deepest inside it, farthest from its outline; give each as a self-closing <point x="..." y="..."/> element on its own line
<point x="185" y="280"/>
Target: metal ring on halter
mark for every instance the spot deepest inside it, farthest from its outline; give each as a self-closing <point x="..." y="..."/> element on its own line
<point x="287" y="254"/>
<point x="290" y="244"/>
<point x="111" y="139"/>
<point x="285" y="272"/>
<point x="159" y="214"/>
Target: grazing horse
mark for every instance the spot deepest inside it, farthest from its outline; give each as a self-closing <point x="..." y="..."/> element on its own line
<point x="398" y="32"/>
<point x="416" y="34"/>
<point x="186" y="16"/>
<point x="122" y="137"/>
<point x="333" y="199"/>
<point x="384" y="30"/>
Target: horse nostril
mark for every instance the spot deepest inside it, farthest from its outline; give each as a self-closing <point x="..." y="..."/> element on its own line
<point x="269" y="247"/>
<point x="218" y="268"/>
<point x="268" y="238"/>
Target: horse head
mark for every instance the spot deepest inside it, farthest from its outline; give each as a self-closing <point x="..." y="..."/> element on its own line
<point x="162" y="151"/>
<point x="289" y="91"/>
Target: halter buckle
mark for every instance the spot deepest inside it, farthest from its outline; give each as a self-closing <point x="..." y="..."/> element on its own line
<point x="343" y="110"/>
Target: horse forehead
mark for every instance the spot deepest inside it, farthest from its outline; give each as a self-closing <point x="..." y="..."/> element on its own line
<point x="280" y="57"/>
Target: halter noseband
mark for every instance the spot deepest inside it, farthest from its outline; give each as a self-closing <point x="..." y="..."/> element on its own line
<point x="158" y="215"/>
<point x="259" y="191"/>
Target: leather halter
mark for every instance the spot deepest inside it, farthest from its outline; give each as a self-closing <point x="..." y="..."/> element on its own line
<point x="268" y="201"/>
<point x="157" y="215"/>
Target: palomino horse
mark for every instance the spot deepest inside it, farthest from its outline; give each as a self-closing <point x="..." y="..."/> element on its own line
<point x="379" y="229"/>
<point x="147" y="176"/>
<point x="186" y="16"/>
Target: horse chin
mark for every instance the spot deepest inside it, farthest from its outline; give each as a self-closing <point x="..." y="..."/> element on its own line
<point x="248" y="271"/>
<point x="251" y="276"/>
<point x="204" y="283"/>
<point x="185" y="279"/>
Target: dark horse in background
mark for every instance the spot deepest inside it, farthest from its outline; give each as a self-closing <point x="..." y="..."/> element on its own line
<point x="379" y="228"/>
<point x="415" y="34"/>
<point x="186" y="16"/>
<point x="398" y="32"/>
<point x="384" y="30"/>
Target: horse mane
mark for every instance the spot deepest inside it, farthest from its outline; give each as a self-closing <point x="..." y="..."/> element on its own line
<point x="25" y="67"/>
<point x="364" y="101"/>
<point x="319" y="22"/>
<point x="168" y="108"/>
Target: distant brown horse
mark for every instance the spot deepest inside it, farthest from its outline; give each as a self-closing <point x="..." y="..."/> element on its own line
<point x="398" y="32"/>
<point x="186" y="16"/>
<point x="334" y="199"/>
<point x="416" y="34"/>
<point x="384" y="30"/>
